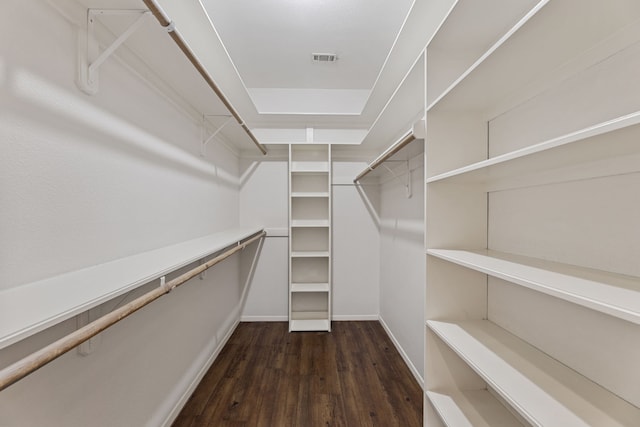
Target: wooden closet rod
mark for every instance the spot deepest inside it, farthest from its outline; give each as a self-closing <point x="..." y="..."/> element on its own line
<point x="38" y="359"/>
<point x="406" y="139"/>
<point x="153" y="6"/>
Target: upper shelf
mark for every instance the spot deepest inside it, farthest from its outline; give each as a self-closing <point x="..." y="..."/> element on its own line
<point x="532" y="51"/>
<point x="614" y="294"/>
<point x="605" y="148"/>
<point x="404" y="108"/>
<point x="541" y="389"/>
<point x="28" y="309"/>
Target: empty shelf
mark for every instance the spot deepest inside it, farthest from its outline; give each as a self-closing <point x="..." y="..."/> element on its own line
<point x="310" y="254"/>
<point x="542" y="390"/>
<point x="310" y="287"/>
<point x="309" y="194"/>
<point x="28" y="309"/>
<point x="473" y="408"/>
<point x="311" y="167"/>
<point x="613" y="294"/>
<point x="607" y="148"/>
<point x="310" y="223"/>
<point x="309" y="324"/>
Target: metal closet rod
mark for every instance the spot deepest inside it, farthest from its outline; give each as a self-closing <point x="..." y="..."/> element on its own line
<point x="38" y="359"/>
<point x="153" y="6"/>
<point x="406" y="139"/>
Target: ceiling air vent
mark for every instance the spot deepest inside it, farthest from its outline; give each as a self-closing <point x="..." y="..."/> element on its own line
<point x="324" y="57"/>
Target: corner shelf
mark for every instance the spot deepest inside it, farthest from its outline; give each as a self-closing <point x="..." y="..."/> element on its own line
<point x="31" y="308"/>
<point x="613" y="294"/>
<point x="309" y="237"/>
<point x="542" y="390"/>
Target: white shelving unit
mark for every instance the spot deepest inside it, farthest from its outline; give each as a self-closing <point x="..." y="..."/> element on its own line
<point x="533" y="169"/>
<point x="310" y="237"/>
<point x="31" y="308"/>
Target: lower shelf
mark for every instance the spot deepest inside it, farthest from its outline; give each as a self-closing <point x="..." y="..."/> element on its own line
<point x="309" y="321"/>
<point x="542" y="390"/>
<point x="473" y="408"/>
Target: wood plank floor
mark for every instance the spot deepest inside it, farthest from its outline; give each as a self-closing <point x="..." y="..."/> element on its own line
<point x="266" y="376"/>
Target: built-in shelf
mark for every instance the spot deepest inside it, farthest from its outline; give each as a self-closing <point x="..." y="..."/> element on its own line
<point x="613" y="294"/>
<point x="309" y="167"/>
<point x="310" y="254"/>
<point x="310" y="237"/>
<point x="310" y="194"/>
<point x="471" y="408"/>
<point x="310" y="321"/>
<point x="309" y="287"/>
<point x="606" y="148"/>
<point x="30" y="308"/>
<point x="310" y="223"/>
<point x="516" y="61"/>
<point x="542" y="390"/>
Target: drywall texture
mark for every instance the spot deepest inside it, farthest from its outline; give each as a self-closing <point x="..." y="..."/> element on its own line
<point x="88" y="179"/>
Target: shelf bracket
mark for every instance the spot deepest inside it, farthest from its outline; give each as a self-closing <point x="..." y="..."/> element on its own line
<point x="405" y="183"/>
<point x="89" y="57"/>
<point x="83" y="319"/>
<point x="208" y="139"/>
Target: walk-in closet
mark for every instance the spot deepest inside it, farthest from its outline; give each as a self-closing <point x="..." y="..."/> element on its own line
<point x="320" y="213"/>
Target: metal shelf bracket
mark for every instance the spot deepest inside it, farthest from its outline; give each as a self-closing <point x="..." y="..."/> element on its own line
<point x="89" y="56"/>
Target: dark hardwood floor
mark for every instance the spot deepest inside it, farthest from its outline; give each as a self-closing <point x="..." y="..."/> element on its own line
<point x="268" y="377"/>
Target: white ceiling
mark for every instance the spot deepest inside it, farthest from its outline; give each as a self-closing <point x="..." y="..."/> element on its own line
<point x="271" y="43"/>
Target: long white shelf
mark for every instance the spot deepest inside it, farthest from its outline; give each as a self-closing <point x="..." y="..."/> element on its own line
<point x="310" y="223"/>
<point x="310" y="254"/>
<point x="542" y="390"/>
<point x="613" y="294"/>
<point x="523" y="56"/>
<point x="310" y="287"/>
<point x="471" y="408"/>
<point x="585" y="146"/>
<point x="31" y="308"/>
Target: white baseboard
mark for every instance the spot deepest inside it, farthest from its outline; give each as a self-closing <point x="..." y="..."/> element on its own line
<point x="183" y="390"/>
<point x="405" y="357"/>
<point x="354" y="317"/>
<point x="264" y="319"/>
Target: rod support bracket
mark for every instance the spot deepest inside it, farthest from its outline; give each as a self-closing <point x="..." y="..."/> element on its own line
<point x="208" y="139"/>
<point x="89" y="56"/>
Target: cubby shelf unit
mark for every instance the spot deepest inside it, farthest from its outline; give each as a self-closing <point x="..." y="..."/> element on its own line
<point x="533" y="166"/>
<point x="309" y="237"/>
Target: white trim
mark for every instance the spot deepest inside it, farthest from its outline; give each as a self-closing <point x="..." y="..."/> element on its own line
<point x="282" y="318"/>
<point x="353" y="317"/>
<point x="412" y="368"/>
<point x="196" y="377"/>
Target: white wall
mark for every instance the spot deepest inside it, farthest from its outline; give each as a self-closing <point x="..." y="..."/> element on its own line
<point x="264" y="198"/>
<point x="402" y="265"/>
<point x="85" y="180"/>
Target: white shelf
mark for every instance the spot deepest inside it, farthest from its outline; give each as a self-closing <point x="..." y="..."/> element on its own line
<point x="472" y="408"/>
<point x="309" y="321"/>
<point x="310" y="254"/>
<point x="609" y="293"/>
<point x="586" y="146"/>
<point x="310" y="223"/>
<point x="310" y="194"/>
<point x="309" y="167"/>
<point x="28" y="309"/>
<point x="532" y="47"/>
<point x="310" y="287"/>
<point x="542" y="390"/>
